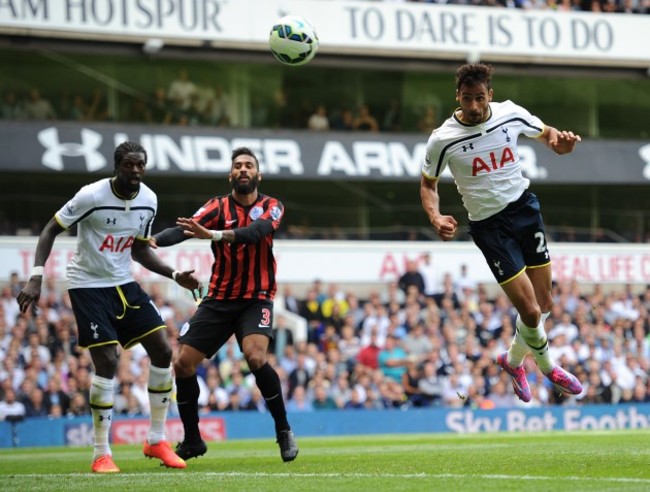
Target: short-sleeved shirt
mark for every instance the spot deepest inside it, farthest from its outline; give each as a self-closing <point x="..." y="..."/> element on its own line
<point x="394" y="372"/>
<point x="107" y="227"/>
<point x="483" y="158"/>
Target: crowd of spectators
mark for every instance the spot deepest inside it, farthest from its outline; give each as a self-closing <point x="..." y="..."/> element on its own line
<point x="32" y="104"/>
<point x="410" y="343"/>
<point x="186" y="103"/>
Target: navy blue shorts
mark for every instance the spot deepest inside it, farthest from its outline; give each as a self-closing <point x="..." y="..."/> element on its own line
<point x="513" y="239"/>
<point x="108" y="315"/>
<point x="215" y="321"/>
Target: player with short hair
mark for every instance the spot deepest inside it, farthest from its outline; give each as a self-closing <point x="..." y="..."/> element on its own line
<point x="478" y="144"/>
<point x="239" y="301"/>
<point x="114" y="217"/>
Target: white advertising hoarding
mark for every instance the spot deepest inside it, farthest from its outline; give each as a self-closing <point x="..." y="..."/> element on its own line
<point x="363" y="262"/>
<point x="349" y="27"/>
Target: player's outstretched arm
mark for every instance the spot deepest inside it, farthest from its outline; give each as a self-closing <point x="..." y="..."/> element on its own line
<point x="559" y="141"/>
<point x="31" y="293"/>
<point x="191" y="228"/>
<point x="445" y="225"/>
<point x="142" y="253"/>
<point x="252" y="233"/>
<point x="168" y="237"/>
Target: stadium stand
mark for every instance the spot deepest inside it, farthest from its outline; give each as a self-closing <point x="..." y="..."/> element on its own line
<point x="446" y="343"/>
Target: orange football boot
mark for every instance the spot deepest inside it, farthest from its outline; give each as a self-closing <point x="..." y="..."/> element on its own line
<point x="164" y="452"/>
<point x="104" y="464"/>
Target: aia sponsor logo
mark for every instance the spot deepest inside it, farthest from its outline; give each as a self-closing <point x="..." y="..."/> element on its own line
<point x="116" y="245"/>
<point x="492" y="162"/>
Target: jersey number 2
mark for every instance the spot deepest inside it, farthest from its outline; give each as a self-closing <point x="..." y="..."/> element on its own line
<point x="541" y="245"/>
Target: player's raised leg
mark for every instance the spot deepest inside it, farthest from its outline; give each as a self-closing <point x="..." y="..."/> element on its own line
<point x="518" y="375"/>
<point x="530" y="327"/>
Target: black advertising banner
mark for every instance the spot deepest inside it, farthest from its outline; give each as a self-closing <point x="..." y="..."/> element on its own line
<point x="61" y="147"/>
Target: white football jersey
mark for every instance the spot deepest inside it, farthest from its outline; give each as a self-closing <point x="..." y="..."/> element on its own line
<point x="483" y="158"/>
<point x="107" y="225"/>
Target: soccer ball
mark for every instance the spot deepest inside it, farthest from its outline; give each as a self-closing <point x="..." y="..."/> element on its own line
<point x="293" y="40"/>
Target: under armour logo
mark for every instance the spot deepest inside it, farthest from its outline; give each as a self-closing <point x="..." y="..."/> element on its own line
<point x="94" y="328"/>
<point x="142" y="217"/>
<point x="110" y="221"/>
<point x="55" y="150"/>
<point x="102" y="418"/>
<point x="644" y="154"/>
<point x="497" y="265"/>
<point x="165" y="399"/>
<point x="505" y="131"/>
<point x="467" y="147"/>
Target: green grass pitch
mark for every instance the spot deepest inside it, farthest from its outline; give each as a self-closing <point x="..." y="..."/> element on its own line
<point x="551" y="461"/>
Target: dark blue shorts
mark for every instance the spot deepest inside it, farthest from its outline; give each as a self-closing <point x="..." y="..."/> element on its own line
<point x="513" y="239"/>
<point x="215" y="321"/>
<point x="108" y="315"/>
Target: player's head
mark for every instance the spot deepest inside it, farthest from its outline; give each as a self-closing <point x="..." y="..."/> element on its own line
<point x="473" y="74"/>
<point x="129" y="160"/>
<point x="474" y="91"/>
<point x="244" y="171"/>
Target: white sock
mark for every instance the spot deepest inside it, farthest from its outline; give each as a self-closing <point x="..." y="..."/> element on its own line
<point x="101" y="406"/>
<point x="536" y="339"/>
<point x="518" y="349"/>
<point x="160" y="390"/>
<point x="545" y="317"/>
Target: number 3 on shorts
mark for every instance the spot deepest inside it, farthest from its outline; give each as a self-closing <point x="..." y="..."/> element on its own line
<point x="265" y="322"/>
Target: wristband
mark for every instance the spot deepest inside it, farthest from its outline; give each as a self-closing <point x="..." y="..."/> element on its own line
<point x="175" y="274"/>
<point x="37" y="271"/>
<point x="216" y="235"/>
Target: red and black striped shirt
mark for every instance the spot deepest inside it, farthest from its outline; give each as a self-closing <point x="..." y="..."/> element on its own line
<point x="241" y="270"/>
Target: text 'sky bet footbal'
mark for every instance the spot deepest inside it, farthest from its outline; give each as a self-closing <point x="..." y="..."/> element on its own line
<point x="293" y="40"/>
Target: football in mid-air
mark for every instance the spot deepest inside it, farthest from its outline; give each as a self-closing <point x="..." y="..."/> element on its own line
<point x="293" y="40"/>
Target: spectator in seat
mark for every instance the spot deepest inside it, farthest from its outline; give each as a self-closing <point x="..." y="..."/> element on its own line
<point x="318" y="120"/>
<point x="365" y="121"/>
<point x="10" y="406"/>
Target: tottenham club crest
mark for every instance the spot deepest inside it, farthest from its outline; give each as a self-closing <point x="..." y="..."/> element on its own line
<point x="94" y="327"/>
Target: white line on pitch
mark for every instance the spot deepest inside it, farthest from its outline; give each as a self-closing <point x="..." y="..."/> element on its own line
<point x="127" y="476"/>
